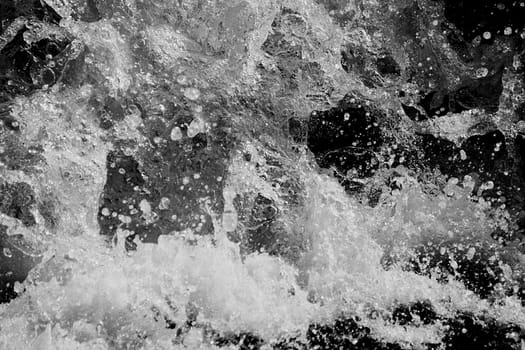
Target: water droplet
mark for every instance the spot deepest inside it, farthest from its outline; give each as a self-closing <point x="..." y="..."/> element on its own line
<point x="182" y="79"/>
<point x="157" y="140"/>
<point x="196" y="126"/>
<point x="482" y="72"/>
<point x="100" y="328"/>
<point x="164" y="203"/>
<point x="192" y="94"/>
<point x="470" y="253"/>
<point x="145" y="207"/>
<point x="8" y="253"/>
<point x="176" y="134"/>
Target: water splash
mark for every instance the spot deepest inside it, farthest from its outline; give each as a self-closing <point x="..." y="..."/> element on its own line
<point x="88" y="295"/>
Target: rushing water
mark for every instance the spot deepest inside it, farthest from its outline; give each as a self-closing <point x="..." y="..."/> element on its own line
<point x="91" y="292"/>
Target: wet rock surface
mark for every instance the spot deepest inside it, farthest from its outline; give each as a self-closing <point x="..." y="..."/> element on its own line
<point x="17" y="202"/>
<point x="463" y="332"/>
<point x="345" y="138"/>
<point x="17" y="258"/>
<point x="176" y="185"/>
<point x="34" y="50"/>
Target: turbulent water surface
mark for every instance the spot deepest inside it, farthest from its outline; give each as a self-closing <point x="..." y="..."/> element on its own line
<point x="262" y="174"/>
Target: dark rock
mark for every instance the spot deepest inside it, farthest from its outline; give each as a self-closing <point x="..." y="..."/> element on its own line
<point x="423" y="310"/>
<point x="122" y="182"/>
<point x="455" y="89"/>
<point x="339" y="11"/>
<point x="409" y="21"/>
<point x="387" y="65"/>
<point x="17" y="200"/>
<point x="111" y="113"/>
<point x="519" y="146"/>
<point x="7" y="121"/>
<point x="353" y="123"/>
<point x="30" y="9"/>
<point x="478" y="272"/>
<point x="298" y="130"/>
<point x="294" y="74"/>
<point x="174" y="183"/>
<point x="242" y="341"/>
<point x="17" y="155"/>
<point x="17" y="258"/>
<point x="290" y="344"/>
<point x="353" y="59"/>
<point x="26" y="67"/>
<point x="371" y="67"/>
<point x="485" y="155"/>
<point x="261" y="235"/>
<point x="468" y="332"/>
<point x="464" y="331"/>
<point x="520" y="111"/>
<point x="474" y="17"/>
<point x="345" y="333"/>
<point x="262" y="221"/>
<point x="43" y="60"/>
<point x="483" y="93"/>
<point x="276" y="45"/>
<point x="413" y="113"/>
<point x="47" y="209"/>
<point x="87" y="11"/>
<point x="345" y="138"/>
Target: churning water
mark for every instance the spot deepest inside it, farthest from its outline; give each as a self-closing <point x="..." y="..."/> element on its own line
<point x="327" y="253"/>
